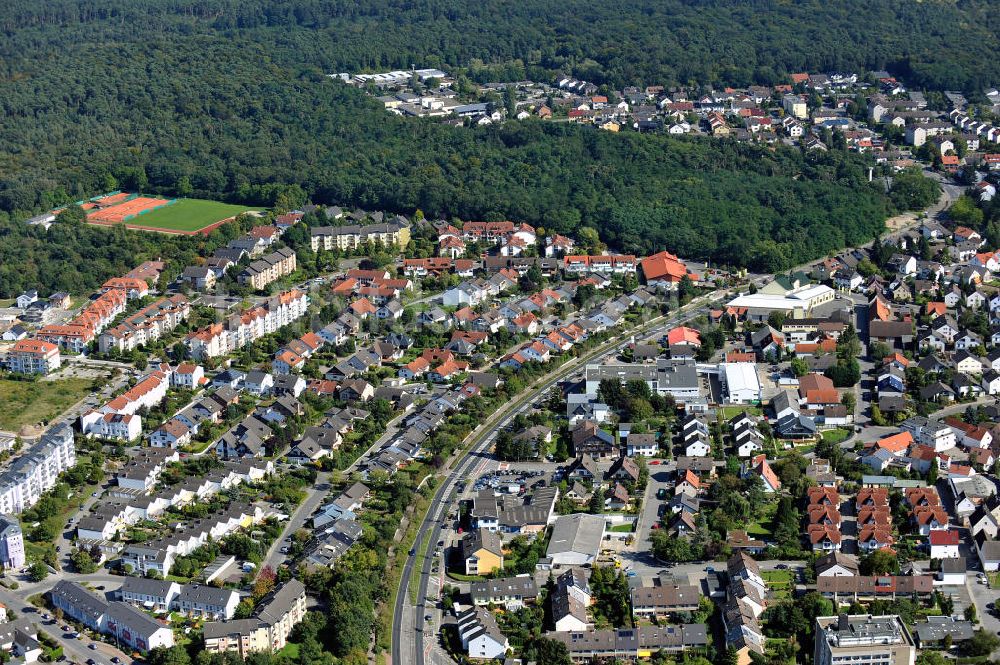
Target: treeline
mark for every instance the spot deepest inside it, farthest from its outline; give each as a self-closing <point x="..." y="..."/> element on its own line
<point x="78" y="258"/>
<point x="938" y="44"/>
<point x="230" y="101"/>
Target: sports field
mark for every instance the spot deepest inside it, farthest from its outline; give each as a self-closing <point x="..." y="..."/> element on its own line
<point x="185" y="216"/>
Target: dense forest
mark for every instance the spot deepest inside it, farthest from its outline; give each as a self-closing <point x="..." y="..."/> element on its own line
<point x="225" y="99"/>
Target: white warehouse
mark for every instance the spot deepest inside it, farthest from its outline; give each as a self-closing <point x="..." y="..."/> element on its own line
<point x="740" y="382"/>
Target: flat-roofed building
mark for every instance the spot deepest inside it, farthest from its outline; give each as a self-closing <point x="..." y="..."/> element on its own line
<point x="848" y="639"/>
<point x="576" y="539"/>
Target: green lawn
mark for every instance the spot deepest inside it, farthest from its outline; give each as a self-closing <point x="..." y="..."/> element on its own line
<point x="762" y="527"/>
<point x="781" y="582"/>
<point x="290" y="652"/>
<point x="187" y="215"/>
<point x="30" y="402"/>
<point x="728" y="412"/>
<point x="836" y="435"/>
<point x="621" y="528"/>
<point x="777" y="576"/>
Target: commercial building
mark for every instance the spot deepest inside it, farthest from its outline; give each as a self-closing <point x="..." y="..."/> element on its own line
<point x="678" y="378"/>
<point x="740" y="382"/>
<point x="847" y="639"/>
<point x="797" y="303"/>
<point x="33" y="356"/>
<point x="576" y="539"/>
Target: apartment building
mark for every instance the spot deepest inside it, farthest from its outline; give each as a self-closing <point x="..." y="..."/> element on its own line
<point x="608" y="265"/>
<point x="267" y="630"/>
<point x="207" y="602"/>
<point x="80" y="331"/>
<point x="36" y="471"/>
<point x="33" y="356"/>
<point x="846" y="639"/>
<point x="150" y="594"/>
<point x="126" y="624"/>
<point x="241" y="329"/>
<point x="147" y="325"/>
<point x="352" y="237"/>
<point x="268" y="269"/>
<point x="11" y="543"/>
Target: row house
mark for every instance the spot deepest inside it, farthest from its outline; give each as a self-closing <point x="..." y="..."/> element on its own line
<point x="436" y="266"/>
<point x="158" y="555"/>
<point x="130" y="627"/>
<point x="147" y="325"/>
<point x="242" y="329"/>
<point x="79" y="332"/>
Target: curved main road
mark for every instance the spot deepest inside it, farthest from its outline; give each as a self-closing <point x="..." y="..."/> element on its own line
<point x="413" y="651"/>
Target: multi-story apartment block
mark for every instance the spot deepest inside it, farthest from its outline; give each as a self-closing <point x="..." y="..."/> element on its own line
<point x="147" y="325"/>
<point x="29" y="476"/>
<point x="847" y="639"/>
<point x="608" y="265"/>
<point x="267" y="630"/>
<point x="11" y="543"/>
<point x="353" y="237"/>
<point x="33" y="356"/>
<point x="267" y="269"/>
<point x="246" y="327"/>
<point x="92" y="319"/>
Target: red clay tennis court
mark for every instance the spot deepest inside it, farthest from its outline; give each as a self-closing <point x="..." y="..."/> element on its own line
<point x="106" y="201"/>
<point x="126" y="210"/>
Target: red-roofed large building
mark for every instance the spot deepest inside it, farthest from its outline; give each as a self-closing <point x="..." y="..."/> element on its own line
<point x="33" y="356"/>
<point x="684" y="336"/>
<point x="489" y="231"/>
<point x="897" y="444"/>
<point x="664" y="270"/>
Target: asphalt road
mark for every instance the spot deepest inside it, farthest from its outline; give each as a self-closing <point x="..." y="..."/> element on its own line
<point x="431" y="527"/>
